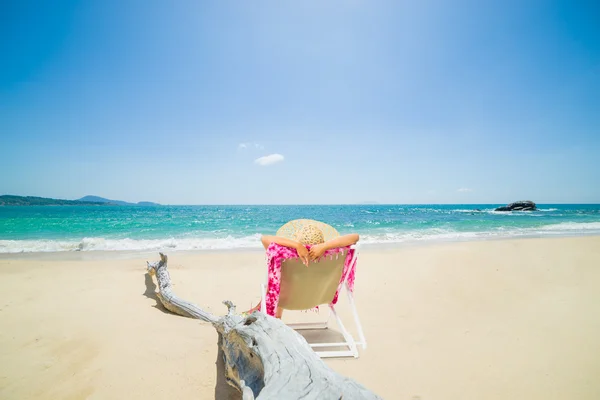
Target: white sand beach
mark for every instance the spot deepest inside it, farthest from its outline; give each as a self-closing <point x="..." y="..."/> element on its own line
<point x="514" y="319"/>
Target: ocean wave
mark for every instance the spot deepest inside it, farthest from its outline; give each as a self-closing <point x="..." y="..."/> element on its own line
<point x="489" y="211"/>
<point x="374" y="236"/>
<point x="572" y="226"/>
<point x="512" y="213"/>
<point x="437" y="234"/>
<point x="416" y="236"/>
<point x="515" y="213"/>
<point x="103" y="244"/>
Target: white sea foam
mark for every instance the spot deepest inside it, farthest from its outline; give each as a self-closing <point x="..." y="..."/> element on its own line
<point x="253" y="241"/>
<point x="572" y="226"/>
<point x="103" y="244"/>
<point x="436" y="234"/>
<point x="417" y="236"/>
<point x="514" y="213"/>
<point x="493" y="211"/>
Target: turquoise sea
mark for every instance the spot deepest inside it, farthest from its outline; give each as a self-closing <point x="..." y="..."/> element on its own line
<point x="108" y="228"/>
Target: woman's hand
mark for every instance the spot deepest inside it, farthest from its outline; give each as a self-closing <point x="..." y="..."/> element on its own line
<point x="317" y="251"/>
<point x="302" y="253"/>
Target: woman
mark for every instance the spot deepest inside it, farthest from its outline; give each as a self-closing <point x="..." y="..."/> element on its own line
<point x="299" y="234"/>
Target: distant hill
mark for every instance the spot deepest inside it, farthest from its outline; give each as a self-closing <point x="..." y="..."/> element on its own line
<point x="102" y="200"/>
<point x="147" y="203"/>
<point x="10" y="200"/>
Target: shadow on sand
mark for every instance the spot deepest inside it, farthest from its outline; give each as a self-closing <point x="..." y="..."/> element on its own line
<point x="151" y="294"/>
<point x="223" y="391"/>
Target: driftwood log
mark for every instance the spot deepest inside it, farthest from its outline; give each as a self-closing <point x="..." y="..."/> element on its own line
<point x="264" y="358"/>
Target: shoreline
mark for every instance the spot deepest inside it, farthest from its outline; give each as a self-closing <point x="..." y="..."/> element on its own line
<point x="364" y="247"/>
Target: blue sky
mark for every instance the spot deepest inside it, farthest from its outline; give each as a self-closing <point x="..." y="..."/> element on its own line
<point x="350" y="101"/>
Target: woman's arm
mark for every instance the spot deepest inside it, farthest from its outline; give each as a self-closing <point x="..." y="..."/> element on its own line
<point x="300" y="248"/>
<point x="267" y="240"/>
<point x="342" y="241"/>
<point x="317" y="250"/>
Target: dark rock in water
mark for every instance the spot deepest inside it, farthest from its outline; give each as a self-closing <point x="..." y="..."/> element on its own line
<point x="525" y="205"/>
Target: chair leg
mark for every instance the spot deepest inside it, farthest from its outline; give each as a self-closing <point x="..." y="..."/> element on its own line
<point x="263" y="302"/>
<point x="361" y="335"/>
<point x="347" y="336"/>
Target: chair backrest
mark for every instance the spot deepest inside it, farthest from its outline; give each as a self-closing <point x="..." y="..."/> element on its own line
<point x="305" y="287"/>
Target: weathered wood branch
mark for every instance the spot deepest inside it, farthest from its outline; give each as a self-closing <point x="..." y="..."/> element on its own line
<point x="264" y="358"/>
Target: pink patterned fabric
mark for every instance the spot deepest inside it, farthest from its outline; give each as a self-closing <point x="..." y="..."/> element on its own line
<point x="276" y="254"/>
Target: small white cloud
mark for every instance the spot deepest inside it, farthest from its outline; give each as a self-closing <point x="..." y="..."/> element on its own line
<point x="464" y="190"/>
<point x="269" y="160"/>
<point x="251" y="145"/>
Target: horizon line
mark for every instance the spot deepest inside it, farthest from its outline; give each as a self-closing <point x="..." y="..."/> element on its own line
<point x="374" y="203"/>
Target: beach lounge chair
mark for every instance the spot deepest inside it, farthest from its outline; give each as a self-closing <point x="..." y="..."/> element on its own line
<point x="305" y="288"/>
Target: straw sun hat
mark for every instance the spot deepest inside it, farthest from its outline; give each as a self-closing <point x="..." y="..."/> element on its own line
<point x="308" y="231"/>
